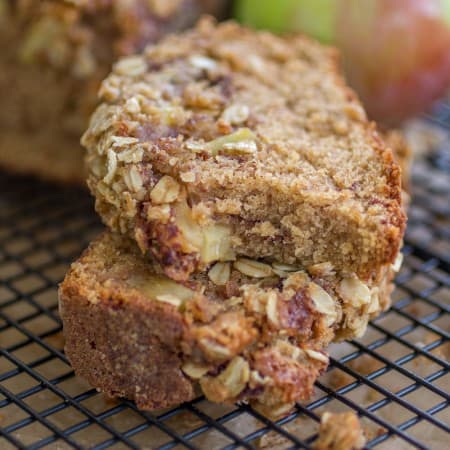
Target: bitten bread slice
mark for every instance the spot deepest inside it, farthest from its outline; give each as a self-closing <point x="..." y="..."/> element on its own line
<point x="223" y="141"/>
<point x="247" y="331"/>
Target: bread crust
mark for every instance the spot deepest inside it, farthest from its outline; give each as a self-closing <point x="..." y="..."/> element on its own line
<point x="104" y="343"/>
<point x="395" y="140"/>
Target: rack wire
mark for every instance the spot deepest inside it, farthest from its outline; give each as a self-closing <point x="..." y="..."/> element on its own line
<point x="396" y="377"/>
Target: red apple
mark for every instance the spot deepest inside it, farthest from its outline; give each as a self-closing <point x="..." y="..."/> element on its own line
<point x="396" y="54"/>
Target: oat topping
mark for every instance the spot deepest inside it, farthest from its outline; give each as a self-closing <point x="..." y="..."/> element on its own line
<point x="253" y="268"/>
<point x="220" y="273"/>
<point x="195" y="371"/>
<point x="203" y="62"/>
<point x="272" y="308"/>
<point x="160" y="213"/>
<point x="285" y="267"/>
<point x="317" y="355"/>
<point x="398" y="262"/>
<point x="169" y="298"/>
<point x="323" y="302"/>
<point x="229" y="383"/>
<point x="236" y="114"/>
<point x="354" y="291"/>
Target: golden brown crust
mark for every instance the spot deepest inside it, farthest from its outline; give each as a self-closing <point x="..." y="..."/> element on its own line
<point x="104" y="341"/>
<point x="54" y="55"/>
<point x="261" y="135"/>
<point x="240" y="335"/>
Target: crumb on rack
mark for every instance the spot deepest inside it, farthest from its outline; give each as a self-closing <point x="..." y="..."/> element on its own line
<point x="340" y="431"/>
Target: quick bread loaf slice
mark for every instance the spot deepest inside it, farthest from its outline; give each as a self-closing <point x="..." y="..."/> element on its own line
<point x="245" y="331"/>
<point x="224" y="142"/>
<point x="54" y="55"/>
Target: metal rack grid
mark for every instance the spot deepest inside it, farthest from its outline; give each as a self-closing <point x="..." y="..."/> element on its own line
<point x="395" y="377"/>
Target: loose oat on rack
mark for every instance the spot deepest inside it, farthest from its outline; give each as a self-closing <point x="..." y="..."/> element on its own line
<point x="268" y="153"/>
<point x="340" y="431"/>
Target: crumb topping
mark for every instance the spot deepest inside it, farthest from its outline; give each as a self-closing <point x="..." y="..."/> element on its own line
<point x="340" y="431"/>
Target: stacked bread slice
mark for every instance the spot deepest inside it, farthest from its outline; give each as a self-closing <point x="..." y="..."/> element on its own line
<point x="255" y="216"/>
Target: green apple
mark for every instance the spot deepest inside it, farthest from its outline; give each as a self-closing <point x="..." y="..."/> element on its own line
<point x="313" y="17"/>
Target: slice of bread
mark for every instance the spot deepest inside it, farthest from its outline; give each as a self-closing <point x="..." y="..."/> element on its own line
<point x="223" y="141"/>
<point x="53" y="58"/>
<point x="246" y="331"/>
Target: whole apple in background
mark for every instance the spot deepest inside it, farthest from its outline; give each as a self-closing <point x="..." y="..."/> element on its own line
<point x="396" y="53"/>
<point x="313" y="17"/>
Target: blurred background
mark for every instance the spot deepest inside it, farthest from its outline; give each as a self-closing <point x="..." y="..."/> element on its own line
<point x="396" y="53"/>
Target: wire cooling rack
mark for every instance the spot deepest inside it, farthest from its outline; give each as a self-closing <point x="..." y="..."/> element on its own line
<point x="395" y="377"/>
